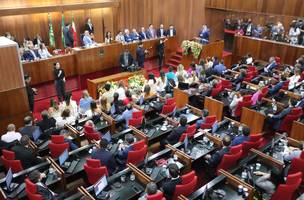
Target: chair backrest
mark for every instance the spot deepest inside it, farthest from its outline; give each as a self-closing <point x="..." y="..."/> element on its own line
<point x="185" y="189"/>
<point x="186" y="178"/>
<point x="255" y="137"/>
<point x="247" y="146"/>
<point x="215" y="91"/>
<point x="182" y="137"/>
<point x="263" y="93"/>
<point x="287" y="122"/>
<point x="285" y="85"/>
<point x="157" y="196"/>
<point x="31" y="190"/>
<point x="297" y="165"/>
<point x="94" y="170"/>
<point x="226" y="84"/>
<point x="9" y="155"/>
<point x="228" y="161"/>
<point x="286" y="191"/>
<point x="138" y="145"/>
<point x="137" y="156"/>
<point x="236" y="149"/>
<point x="238" y="109"/>
<point x="8" y="160"/>
<point x="135" y="121"/>
<point x="170" y="101"/>
<point x="137" y="114"/>
<point x="302" y="155"/>
<point x="168" y="108"/>
<point x="296" y="111"/>
<point x="57" y="145"/>
<point x="247" y="100"/>
<point x="209" y="121"/>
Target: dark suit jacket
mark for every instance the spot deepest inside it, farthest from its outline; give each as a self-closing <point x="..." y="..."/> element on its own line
<point x="158" y="32"/>
<point x="27" y="56"/>
<point x="217" y="156"/>
<point x="128" y="38"/>
<point x="143" y="36"/>
<point x="88" y="28"/>
<point x="69" y="41"/>
<point x="168" y="32"/>
<point x="123" y="154"/>
<point x="140" y="55"/>
<point x="149" y="34"/>
<point x="26" y="156"/>
<point x="130" y="59"/>
<point x="174" y="136"/>
<point x="47" y="124"/>
<point x="169" y="187"/>
<point x="160" y="49"/>
<point x="277" y="119"/>
<point x="106" y="158"/>
<point x="28" y="130"/>
<point x="45" y="193"/>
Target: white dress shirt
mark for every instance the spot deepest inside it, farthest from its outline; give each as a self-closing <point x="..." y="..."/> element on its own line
<point x="44" y="53"/>
<point x="11" y="136"/>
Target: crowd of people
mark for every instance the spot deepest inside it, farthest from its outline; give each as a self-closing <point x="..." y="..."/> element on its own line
<point x="272" y="31"/>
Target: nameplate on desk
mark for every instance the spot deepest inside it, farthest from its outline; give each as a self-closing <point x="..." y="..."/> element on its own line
<point x="101" y="52"/>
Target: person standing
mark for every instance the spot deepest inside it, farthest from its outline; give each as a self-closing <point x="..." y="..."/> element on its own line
<point x="161" y="52"/>
<point x="68" y="37"/>
<point x="89" y="26"/>
<point x="140" y="55"/>
<point x="30" y="92"/>
<point x="59" y="81"/>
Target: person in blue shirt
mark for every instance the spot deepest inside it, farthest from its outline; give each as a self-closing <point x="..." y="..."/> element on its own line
<point x="127" y="36"/>
<point x="134" y="35"/>
<point x="126" y="115"/>
<point x="85" y="102"/>
<point x="106" y="158"/>
<point x="204" y="34"/>
<point x="242" y="138"/>
<point x="276" y="88"/>
<point x="87" y="40"/>
<point x="171" y="74"/>
<point x="125" y="148"/>
<point x="219" y="68"/>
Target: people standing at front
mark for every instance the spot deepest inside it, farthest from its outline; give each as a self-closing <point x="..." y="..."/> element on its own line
<point x="68" y="37"/>
<point x="161" y="52"/>
<point x="59" y="77"/>
<point x="30" y="92"/>
<point x="140" y="55"/>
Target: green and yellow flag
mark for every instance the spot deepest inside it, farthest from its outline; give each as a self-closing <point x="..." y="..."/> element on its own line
<point x="62" y="27"/>
<point x="51" y="32"/>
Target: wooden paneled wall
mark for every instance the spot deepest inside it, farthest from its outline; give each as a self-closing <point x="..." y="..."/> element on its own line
<point x="186" y="15"/>
<point x="279" y="7"/>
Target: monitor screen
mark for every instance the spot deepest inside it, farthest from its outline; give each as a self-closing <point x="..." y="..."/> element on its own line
<point x="107" y="136"/>
<point x="100" y="185"/>
<point x="9" y="178"/>
<point x="141" y="100"/>
<point x="36" y="134"/>
<point x="215" y="127"/>
<point x="186" y="142"/>
<point x="63" y="157"/>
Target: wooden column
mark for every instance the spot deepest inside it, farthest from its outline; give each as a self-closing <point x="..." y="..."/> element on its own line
<point x="13" y="98"/>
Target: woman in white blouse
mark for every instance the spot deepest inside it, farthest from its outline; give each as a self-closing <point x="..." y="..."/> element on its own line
<point x="69" y="104"/>
<point x="294" y="79"/>
<point x="236" y="98"/>
<point x="65" y="118"/>
<point x="43" y="51"/>
<point x="181" y="72"/>
<point x="161" y="82"/>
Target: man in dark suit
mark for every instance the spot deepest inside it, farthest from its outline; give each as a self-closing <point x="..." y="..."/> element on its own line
<point x="36" y="178"/>
<point x="106" y="158"/>
<point x="59" y="77"/>
<point x="173" y="179"/>
<point x="24" y="154"/>
<point x="174" y="136"/>
<point x="276" y="120"/>
<point x="29" y="128"/>
<point x="89" y="26"/>
<point x="171" y="31"/>
<point x="140" y="55"/>
<point x="160" y="52"/>
<point x="215" y="159"/>
<point x="126" y="60"/>
<point x="161" y="31"/>
<point x="142" y="34"/>
<point x="68" y="38"/>
<point x="276" y="88"/>
<point x="151" y="33"/>
<point x="47" y="122"/>
<point x="30" y="92"/>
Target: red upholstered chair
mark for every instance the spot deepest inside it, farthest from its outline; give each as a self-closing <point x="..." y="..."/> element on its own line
<point x="228" y="161"/>
<point x="170" y="101"/>
<point x="302" y="76"/>
<point x="8" y="160"/>
<point x="226" y="84"/>
<point x="235" y="149"/>
<point x="31" y="190"/>
<point x="297" y="165"/>
<point x="57" y="145"/>
<point x="249" y="76"/>
<point x="137" y="156"/>
<point x="247" y="102"/>
<point x="94" y="170"/>
<point x="252" y="69"/>
<point x="249" y="145"/>
<point x="138" y="145"/>
<point x="257" y="138"/>
<point x="168" y="108"/>
<point x="302" y="155"/>
<point x="209" y="121"/>
<point x="90" y="134"/>
<point x="187" y="178"/>
<point x="185" y="189"/>
<point x="285" y="85"/>
<point x="135" y="121"/>
<point x="278" y="60"/>
<point x="287" y="121"/>
<point x="238" y="109"/>
<point x="190" y="132"/>
<point x="296" y="111"/>
<point x="157" y="196"/>
<point x="137" y="114"/>
<point x="215" y="91"/>
<point x="286" y="191"/>
<point x="263" y="93"/>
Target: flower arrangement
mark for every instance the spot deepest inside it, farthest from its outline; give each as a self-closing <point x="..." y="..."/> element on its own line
<point x="136" y="83"/>
<point x="113" y="85"/>
<point x="195" y="47"/>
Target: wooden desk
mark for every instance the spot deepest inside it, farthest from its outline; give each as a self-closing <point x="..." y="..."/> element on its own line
<point x="253" y="119"/>
<point x="263" y="49"/>
<point x="214" y="107"/>
<point x="93" y="85"/>
<point x="89" y="60"/>
<point x="181" y="97"/>
<point x="297" y="131"/>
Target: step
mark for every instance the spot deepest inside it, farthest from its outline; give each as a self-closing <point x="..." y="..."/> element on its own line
<point x="174" y="65"/>
<point x="177" y="57"/>
<point x="174" y="60"/>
